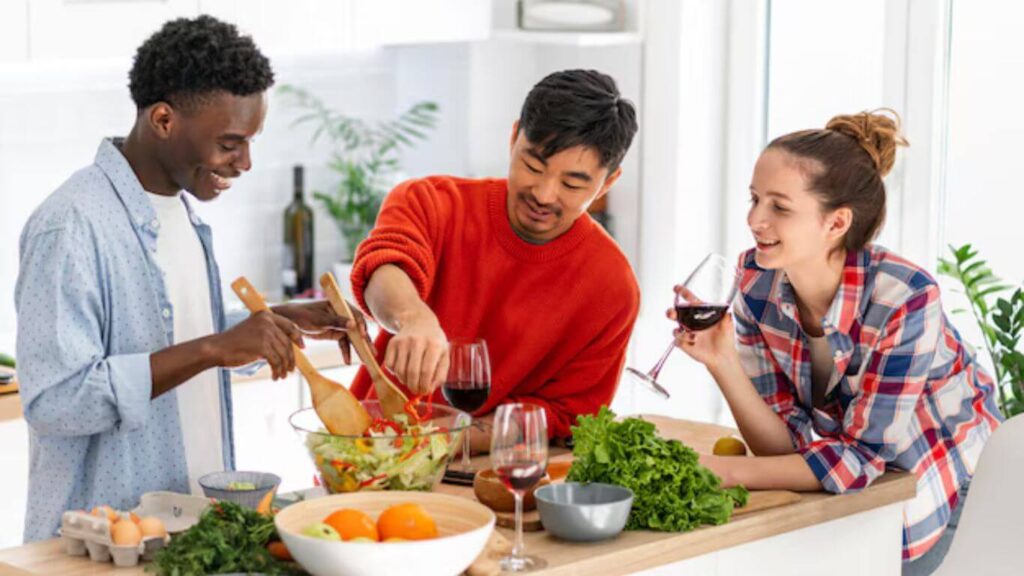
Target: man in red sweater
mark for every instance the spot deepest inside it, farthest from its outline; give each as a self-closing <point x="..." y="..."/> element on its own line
<point x="516" y="261"/>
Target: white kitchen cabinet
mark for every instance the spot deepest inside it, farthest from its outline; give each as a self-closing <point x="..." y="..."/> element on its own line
<point x="291" y="27"/>
<point x="93" y="29"/>
<point x="13" y="30"/>
<point x="398" y="22"/>
<point x="59" y="29"/>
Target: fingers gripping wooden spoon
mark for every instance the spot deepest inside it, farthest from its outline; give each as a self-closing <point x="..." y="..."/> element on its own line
<point x="392" y="399"/>
<point x="340" y="411"/>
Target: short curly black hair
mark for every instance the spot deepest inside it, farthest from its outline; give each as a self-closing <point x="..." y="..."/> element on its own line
<point x="189" y="59"/>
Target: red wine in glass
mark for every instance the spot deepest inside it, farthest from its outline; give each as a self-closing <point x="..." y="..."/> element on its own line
<point x="520" y="475"/>
<point x="702" y="303"/>
<point x="697" y="317"/>
<point x="519" y="457"/>
<point x="464" y="396"/>
<point x="466" y="388"/>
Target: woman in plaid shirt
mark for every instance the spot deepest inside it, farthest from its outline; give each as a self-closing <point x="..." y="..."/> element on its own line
<point x="844" y="363"/>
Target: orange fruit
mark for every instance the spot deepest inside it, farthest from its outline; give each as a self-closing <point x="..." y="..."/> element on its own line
<point x="406" y="521"/>
<point x="352" y="524"/>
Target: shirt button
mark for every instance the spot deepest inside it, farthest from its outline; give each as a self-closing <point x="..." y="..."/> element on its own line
<point x="154" y="223"/>
<point x="167" y="312"/>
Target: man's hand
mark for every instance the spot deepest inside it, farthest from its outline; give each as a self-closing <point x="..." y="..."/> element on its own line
<point x="418" y="353"/>
<point x="319" y="321"/>
<point x="263" y="335"/>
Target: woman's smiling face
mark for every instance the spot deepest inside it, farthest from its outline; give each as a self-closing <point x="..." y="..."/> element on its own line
<point x="786" y="218"/>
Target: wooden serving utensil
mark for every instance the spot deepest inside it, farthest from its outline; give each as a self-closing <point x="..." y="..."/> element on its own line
<point x="392" y="399"/>
<point x="339" y="410"/>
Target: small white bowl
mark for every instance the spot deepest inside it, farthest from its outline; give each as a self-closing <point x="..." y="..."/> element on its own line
<point x="464" y="526"/>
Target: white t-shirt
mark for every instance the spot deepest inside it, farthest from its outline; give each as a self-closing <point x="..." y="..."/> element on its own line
<point x="822" y="367"/>
<point x="180" y="255"/>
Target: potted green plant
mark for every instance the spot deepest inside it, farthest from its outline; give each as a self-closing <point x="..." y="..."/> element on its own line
<point x="1001" y="323"/>
<point x="365" y="157"/>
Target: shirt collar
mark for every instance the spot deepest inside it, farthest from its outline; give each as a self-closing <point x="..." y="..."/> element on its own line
<point x="113" y="163"/>
<point x="135" y="198"/>
<point x="845" y="307"/>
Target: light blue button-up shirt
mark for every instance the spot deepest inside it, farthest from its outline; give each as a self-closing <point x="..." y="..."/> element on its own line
<point x="92" y="307"/>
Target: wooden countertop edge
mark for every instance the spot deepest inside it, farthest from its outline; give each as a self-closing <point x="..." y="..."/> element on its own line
<point x="662" y="549"/>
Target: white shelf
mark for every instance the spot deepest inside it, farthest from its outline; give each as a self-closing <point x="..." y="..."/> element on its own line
<point x="580" y="39"/>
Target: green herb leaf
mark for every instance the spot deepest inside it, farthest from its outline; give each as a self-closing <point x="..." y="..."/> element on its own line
<point x="671" y="490"/>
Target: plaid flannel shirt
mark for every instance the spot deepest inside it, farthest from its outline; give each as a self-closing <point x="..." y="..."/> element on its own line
<point x="906" y="393"/>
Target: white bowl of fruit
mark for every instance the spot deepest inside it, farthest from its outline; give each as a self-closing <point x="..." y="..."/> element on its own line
<point x="384" y="533"/>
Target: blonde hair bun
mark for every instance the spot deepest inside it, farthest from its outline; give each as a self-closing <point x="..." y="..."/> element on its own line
<point x="877" y="132"/>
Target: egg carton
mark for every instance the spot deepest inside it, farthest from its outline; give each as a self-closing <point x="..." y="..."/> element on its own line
<point x="178" y="512"/>
<point x="85" y="534"/>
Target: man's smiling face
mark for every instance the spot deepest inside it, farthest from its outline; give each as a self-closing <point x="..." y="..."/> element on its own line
<point x="547" y="195"/>
<point x="209" y="146"/>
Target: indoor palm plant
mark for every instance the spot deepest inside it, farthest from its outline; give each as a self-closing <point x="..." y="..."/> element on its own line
<point x="364" y="155"/>
<point x="1001" y="322"/>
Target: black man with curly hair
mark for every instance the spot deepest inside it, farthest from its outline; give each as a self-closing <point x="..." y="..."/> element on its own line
<point x="122" y="336"/>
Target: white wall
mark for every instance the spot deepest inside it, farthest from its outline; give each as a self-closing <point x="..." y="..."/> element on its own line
<point x="52" y="117"/>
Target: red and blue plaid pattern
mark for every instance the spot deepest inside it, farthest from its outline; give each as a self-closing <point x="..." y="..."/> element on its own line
<point x="910" y="394"/>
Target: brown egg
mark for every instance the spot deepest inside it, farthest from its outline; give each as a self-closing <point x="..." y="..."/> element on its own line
<point x="492" y="493"/>
<point x="152" y="526"/>
<point x="106" y="511"/>
<point x="126" y="533"/>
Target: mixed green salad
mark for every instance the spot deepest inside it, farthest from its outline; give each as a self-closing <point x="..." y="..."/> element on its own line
<point x="394" y="455"/>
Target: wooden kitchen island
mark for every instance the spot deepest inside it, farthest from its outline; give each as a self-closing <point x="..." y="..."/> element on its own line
<point x="849" y="534"/>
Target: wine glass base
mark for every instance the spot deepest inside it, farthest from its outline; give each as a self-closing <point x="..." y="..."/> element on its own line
<point x="522" y="563"/>
<point x="649" y="382"/>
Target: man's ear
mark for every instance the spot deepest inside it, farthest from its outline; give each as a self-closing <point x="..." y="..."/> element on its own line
<point x="512" y="138"/>
<point x="161" y="119"/>
<point x="609" y="182"/>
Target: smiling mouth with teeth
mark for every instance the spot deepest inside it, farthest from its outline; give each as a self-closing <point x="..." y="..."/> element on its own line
<point x="767" y="243"/>
<point x="220" y="182"/>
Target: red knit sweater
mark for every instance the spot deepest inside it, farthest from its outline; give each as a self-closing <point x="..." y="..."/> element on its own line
<point x="556" y="317"/>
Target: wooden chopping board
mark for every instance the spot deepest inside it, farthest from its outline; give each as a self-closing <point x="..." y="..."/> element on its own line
<point x="701" y="439"/>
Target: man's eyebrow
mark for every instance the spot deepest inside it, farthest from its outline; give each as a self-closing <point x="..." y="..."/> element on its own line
<point x="579" y="175"/>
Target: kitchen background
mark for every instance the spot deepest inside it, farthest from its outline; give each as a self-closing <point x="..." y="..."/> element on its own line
<point x="713" y="80"/>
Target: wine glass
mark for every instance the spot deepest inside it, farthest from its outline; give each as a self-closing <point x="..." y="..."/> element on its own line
<point x="519" y="456"/>
<point x="707" y="293"/>
<point x="468" y="385"/>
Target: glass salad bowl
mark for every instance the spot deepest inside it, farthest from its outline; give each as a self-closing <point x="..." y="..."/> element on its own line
<point x="392" y="455"/>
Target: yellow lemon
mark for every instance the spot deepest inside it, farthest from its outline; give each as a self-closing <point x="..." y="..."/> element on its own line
<point x="729" y="446"/>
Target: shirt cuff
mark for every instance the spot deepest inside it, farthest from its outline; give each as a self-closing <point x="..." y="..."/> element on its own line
<point x="839" y="467"/>
<point x="132" y="383"/>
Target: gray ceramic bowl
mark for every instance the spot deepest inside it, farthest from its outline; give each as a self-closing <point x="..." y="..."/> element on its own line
<point x="584" y="512"/>
<point x="216" y="485"/>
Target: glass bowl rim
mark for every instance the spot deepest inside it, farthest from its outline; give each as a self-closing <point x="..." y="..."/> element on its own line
<point x="454" y="413"/>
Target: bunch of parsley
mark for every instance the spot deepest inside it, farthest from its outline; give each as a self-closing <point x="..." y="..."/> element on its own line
<point x="672" y="492"/>
<point x="228" y="538"/>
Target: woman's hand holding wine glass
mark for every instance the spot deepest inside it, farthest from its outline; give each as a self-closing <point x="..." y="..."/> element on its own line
<point x="711" y="346"/>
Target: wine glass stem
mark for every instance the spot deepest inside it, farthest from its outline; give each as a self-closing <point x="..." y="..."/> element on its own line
<point x="466" y="443"/>
<point x="517" y="548"/>
<point x="657" y="367"/>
